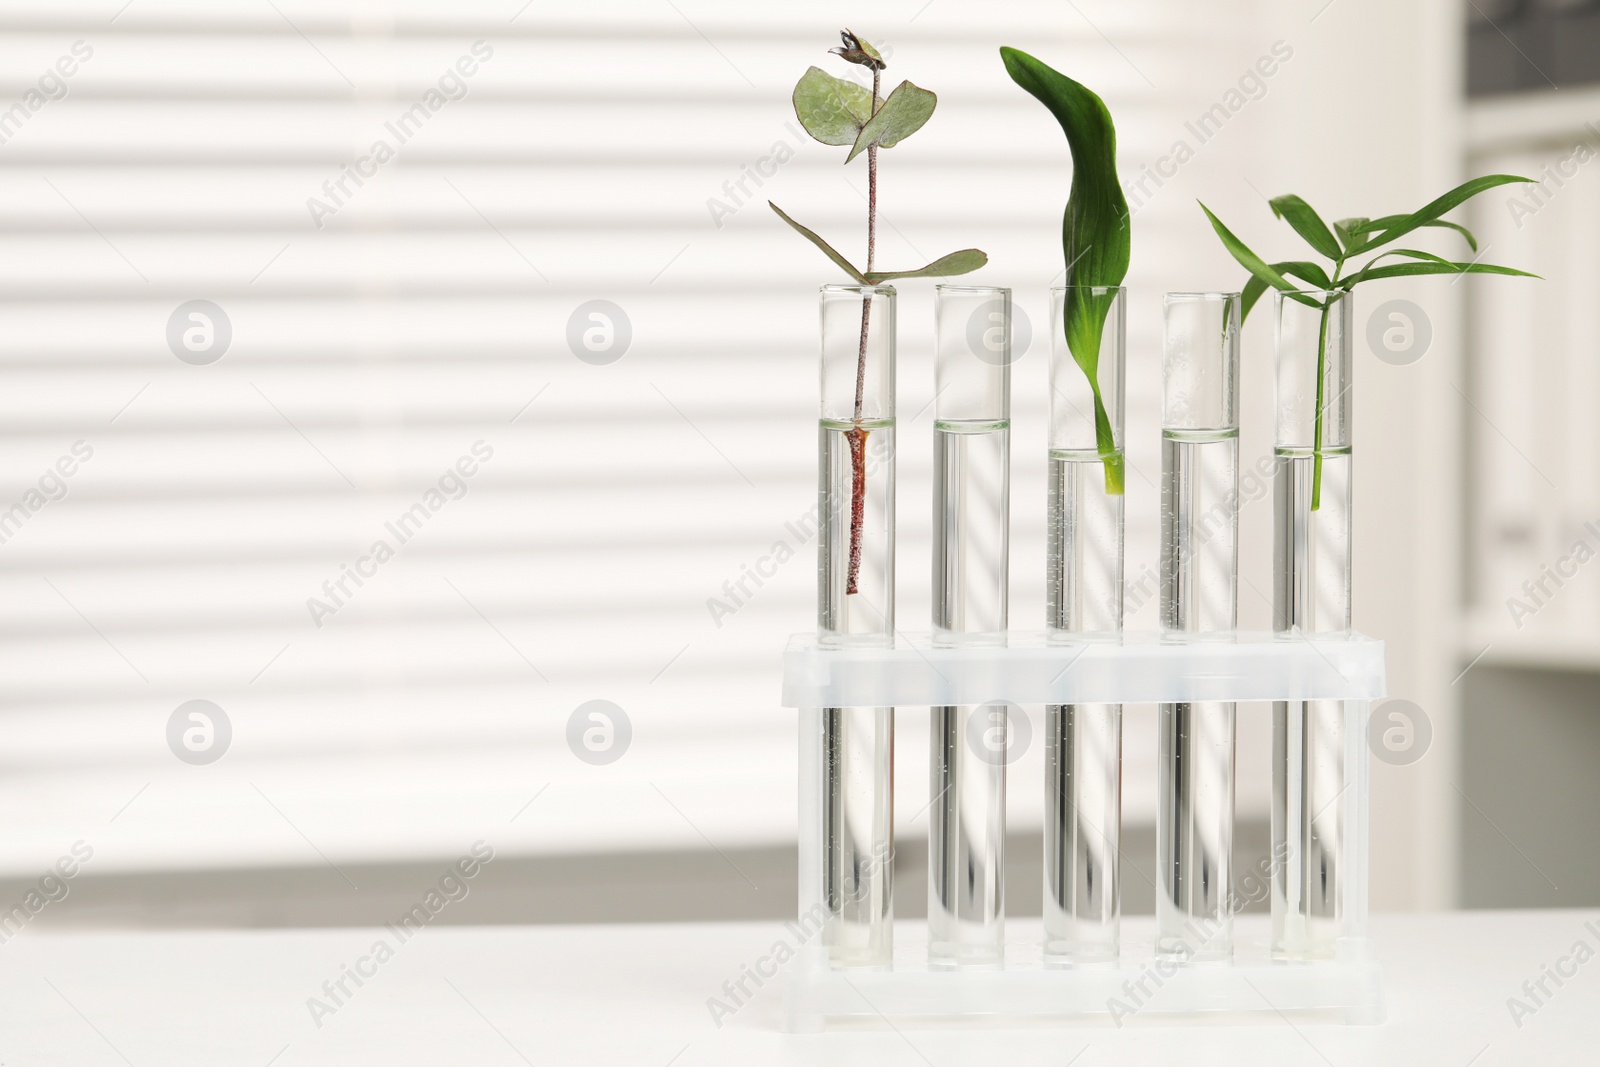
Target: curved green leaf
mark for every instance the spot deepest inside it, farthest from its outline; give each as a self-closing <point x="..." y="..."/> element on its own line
<point x="1095" y="233"/>
<point x="902" y="115"/>
<point x="1307" y="223"/>
<point x="1453" y="199"/>
<point x="963" y="262"/>
<point x="827" y="249"/>
<point x="1410" y="270"/>
<point x="831" y="109"/>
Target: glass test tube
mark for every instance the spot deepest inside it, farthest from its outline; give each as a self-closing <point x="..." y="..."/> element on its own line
<point x="969" y="745"/>
<point x="855" y="606"/>
<point x="1199" y="594"/>
<point x="1083" y="601"/>
<point x="1311" y="594"/>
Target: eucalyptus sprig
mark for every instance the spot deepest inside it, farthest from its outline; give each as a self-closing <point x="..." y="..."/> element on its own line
<point x="1344" y="241"/>
<point x="839" y="112"/>
<point x="1095" y="235"/>
<point x="836" y="111"/>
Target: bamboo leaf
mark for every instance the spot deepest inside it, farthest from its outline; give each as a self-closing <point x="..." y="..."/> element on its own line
<point x="903" y="114"/>
<point x="1254" y="290"/>
<point x="827" y="249"/>
<point x="1095" y="234"/>
<point x="1375" y="225"/>
<point x="1310" y="273"/>
<point x="1410" y="270"/>
<point x="831" y="109"/>
<point x="1247" y="259"/>
<point x="1453" y="199"/>
<point x="1409" y="253"/>
<point x="1264" y="274"/>
<point x="963" y="262"/>
<point x="1307" y="223"/>
<point x="1349" y="229"/>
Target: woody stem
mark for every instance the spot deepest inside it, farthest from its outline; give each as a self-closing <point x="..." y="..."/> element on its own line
<point x="857" y="435"/>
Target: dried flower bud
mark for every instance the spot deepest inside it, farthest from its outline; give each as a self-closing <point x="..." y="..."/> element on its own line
<point x="856" y="50"/>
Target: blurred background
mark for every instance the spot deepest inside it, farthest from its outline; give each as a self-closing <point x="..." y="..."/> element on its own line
<point x="548" y="346"/>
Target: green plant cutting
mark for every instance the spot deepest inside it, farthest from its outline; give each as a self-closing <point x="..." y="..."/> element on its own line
<point x="840" y="112"/>
<point x="1342" y="242"/>
<point x="1095" y="235"/>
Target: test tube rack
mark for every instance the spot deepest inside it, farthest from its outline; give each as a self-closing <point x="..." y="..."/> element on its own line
<point x="1123" y="668"/>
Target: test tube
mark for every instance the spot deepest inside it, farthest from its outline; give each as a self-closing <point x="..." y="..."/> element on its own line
<point x="970" y="745"/>
<point x="1199" y="596"/>
<point x="849" y="752"/>
<point x="1083" y="602"/>
<point x="1311" y="594"/>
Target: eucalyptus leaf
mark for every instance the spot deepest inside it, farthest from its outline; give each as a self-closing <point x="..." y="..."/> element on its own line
<point x="903" y="114"/>
<point x="1095" y="233"/>
<point x="827" y="249"/>
<point x="833" y="110"/>
<point x="857" y="49"/>
<point x="963" y="262"/>
<point x="866" y="46"/>
<point x="1307" y="223"/>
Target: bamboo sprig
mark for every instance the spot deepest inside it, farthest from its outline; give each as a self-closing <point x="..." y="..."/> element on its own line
<point x="1341" y="243"/>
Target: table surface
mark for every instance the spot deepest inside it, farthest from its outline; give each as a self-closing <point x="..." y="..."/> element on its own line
<point x="638" y="995"/>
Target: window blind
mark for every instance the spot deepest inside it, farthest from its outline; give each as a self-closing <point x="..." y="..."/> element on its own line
<point x="396" y="219"/>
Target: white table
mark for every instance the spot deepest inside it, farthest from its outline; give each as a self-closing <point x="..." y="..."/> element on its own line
<point x="637" y="995"/>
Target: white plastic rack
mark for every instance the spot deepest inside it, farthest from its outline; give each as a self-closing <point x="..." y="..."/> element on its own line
<point x="1112" y="668"/>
